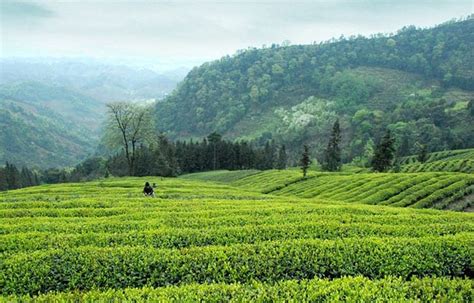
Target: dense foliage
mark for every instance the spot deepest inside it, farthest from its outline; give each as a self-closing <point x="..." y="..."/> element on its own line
<point x="405" y="82"/>
<point x="168" y="158"/>
<point x="332" y="153"/>
<point x="384" y="153"/>
<point x="100" y="241"/>
<point x="12" y="178"/>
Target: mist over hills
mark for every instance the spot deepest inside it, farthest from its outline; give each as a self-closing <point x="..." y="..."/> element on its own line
<point x="51" y="110"/>
<point x="104" y="82"/>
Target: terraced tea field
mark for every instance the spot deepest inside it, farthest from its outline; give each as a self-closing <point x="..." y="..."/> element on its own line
<point x="441" y="190"/>
<point x="215" y="241"/>
<point x="422" y="190"/>
<point x="450" y="161"/>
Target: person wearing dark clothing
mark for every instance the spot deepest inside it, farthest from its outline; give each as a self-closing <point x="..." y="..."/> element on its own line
<point x="148" y="191"/>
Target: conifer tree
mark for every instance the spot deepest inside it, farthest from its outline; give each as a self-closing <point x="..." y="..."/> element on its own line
<point x="332" y="154"/>
<point x="305" y="160"/>
<point x="3" y="179"/>
<point x="12" y="176"/>
<point x="282" y="158"/>
<point x="26" y="177"/>
<point x="268" y="156"/>
<point x="384" y="153"/>
<point x="214" y="140"/>
<point x="422" y="153"/>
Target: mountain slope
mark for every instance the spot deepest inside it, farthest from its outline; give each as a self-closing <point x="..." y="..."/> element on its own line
<point x="51" y="109"/>
<point x="44" y="126"/>
<point x="418" y="82"/>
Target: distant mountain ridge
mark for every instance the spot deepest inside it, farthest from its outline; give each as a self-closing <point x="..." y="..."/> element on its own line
<point x="104" y="82"/>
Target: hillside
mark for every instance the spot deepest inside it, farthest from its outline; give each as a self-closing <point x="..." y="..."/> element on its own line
<point x="102" y="241"/>
<point x="461" y="160"/>
<point x="449" y="191"/>
<point x="46" y="126"/>
<point x="417" y="82"/>
<point x="51" y="110"/>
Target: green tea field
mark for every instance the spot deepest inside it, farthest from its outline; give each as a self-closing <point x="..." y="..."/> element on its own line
<point x="240" y="236"/>
<point x="451" y="160"/>
<point x="439" y="190"/>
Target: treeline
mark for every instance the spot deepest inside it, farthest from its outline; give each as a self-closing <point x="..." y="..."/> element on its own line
<point x="162" y="158"/>
<point x="13" y="178"/>
<point x="169" y="159"/>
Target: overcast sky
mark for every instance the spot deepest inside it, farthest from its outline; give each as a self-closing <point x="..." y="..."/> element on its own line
<point x="189" y="32"/>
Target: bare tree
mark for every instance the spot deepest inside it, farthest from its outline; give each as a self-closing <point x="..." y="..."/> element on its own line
<point x="128" y="126"/>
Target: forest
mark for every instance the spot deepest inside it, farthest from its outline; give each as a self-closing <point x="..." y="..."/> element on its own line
<point x="416" y="82"/>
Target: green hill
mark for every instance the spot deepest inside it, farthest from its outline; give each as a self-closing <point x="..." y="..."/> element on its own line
<point x="199" y="240"/>
<point x="450" y="160"/>
<point x="450" y="191"/>
<point x="46" y="126"/>
<point x="418" y="82"/>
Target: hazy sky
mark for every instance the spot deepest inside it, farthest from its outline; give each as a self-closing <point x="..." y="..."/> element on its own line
<point x="189" y="32"/>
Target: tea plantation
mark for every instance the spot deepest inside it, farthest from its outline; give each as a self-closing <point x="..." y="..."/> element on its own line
<point x="439" y="190"/>
<point x="240" y="236"/>
<point x="451" y="160"/>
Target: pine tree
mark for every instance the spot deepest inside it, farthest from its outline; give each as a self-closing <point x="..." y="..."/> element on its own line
<point x="268" y="156"/>
<point x="36" y="179"/>
<point x="423" y="153"/>
<point x="214" y="140"/>
<point x="305" y="160"/>
<point x="332" y="154"/>
<point x="3" y="179"/>
<point x="384" y="153"/>
<point x="12" y="176"/>
<point x="26" y="177"/>
<point x="282" y="158"/>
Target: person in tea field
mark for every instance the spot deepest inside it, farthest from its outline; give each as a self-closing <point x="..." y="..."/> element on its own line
<point x="148" y="191"/>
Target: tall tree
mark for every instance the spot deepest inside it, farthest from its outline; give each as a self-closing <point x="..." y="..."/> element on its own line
<point x="384" y="153"/>
<point x="268" y="155"/>
<point x="129" y="125"/>
<point x="332" y="153"/>
<point x="12" y="176"/>
<point x="305" y="161"/>
<point x="26" y="177"/>
<point x="214" y="140"/>
<point x="422" y="153"/>
<point x="282" y="157"/>
<point x="3" y="179"/>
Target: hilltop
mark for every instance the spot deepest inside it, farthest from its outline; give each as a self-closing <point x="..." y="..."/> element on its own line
<point x="417" y="82"/>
